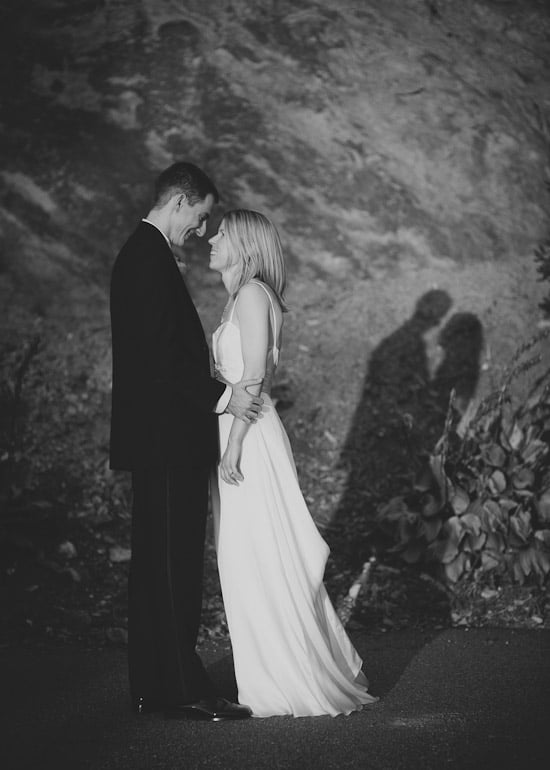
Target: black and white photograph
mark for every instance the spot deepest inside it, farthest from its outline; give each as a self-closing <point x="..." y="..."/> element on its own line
<point x="275" y="384"/>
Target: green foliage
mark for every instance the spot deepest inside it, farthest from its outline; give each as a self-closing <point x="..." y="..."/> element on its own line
<point x="482" y="505"/>
<point x="542" y="257"/>
<point x="54" y="420"/>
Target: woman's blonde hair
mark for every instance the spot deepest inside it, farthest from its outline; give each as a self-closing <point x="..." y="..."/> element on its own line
<point x="254" y="243"/>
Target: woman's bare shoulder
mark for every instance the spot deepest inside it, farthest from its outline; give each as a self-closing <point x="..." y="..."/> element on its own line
<point x="254" y="293"/>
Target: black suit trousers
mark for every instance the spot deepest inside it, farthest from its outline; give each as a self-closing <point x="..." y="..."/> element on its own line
<point x="165" y="585"/>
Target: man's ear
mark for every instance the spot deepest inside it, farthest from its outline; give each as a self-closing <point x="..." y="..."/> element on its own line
<point x="181" y="198"/>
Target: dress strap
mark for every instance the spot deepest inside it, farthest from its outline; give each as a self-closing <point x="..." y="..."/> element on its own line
<point x="233" y="308"/>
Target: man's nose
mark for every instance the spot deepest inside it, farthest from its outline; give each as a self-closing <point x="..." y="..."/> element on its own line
<point x="201" y="229"/>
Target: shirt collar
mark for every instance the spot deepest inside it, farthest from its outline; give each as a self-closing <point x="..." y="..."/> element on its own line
<point x="160" y="231"/>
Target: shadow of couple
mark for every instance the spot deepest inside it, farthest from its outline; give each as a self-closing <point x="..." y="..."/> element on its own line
<point x="400" y="416"/>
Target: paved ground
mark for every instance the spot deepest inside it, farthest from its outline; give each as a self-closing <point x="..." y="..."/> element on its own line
<point x="452" y="699"/>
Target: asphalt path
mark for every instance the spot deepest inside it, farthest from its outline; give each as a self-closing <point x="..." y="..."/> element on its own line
<point x="449" y="699"/>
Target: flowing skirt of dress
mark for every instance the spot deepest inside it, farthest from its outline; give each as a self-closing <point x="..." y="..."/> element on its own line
<point x="291" y="652"/>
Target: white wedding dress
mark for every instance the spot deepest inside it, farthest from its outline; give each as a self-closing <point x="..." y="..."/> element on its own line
<point x="291" y="653"/>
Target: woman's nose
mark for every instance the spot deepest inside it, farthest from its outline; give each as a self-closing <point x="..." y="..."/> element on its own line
<point x="211" y="240"/>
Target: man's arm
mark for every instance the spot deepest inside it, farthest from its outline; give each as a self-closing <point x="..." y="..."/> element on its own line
<point x="238" y="401"/>
<point x="172" y="370"/>
<point x="223" y="402"/>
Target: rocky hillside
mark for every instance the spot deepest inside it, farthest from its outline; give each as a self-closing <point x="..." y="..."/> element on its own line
<point x="382" y="137"/>
<point x="399" y="145"/>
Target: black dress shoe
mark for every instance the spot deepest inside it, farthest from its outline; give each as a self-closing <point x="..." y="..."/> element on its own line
<point x="210" y="710"/>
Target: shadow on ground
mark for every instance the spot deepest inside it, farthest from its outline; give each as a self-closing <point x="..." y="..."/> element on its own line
<point x="399" y="417"/>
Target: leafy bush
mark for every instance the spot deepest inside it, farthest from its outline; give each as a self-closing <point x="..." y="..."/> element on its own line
<point x="482" y="505"/>
<point x="54" y="418"/>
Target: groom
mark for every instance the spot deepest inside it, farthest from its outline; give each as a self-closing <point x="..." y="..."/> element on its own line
<point x="164" y="430"/>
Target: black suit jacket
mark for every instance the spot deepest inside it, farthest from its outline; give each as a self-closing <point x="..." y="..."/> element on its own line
<point x="163" y="395"/>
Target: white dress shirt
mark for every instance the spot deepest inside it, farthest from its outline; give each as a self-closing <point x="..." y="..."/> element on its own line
<point x="226" y="395"/>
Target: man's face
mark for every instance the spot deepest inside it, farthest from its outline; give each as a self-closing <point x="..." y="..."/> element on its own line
<point x="189" y="220"/>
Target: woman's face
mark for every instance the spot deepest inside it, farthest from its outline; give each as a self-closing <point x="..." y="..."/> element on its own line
<point x="219" y="256"/>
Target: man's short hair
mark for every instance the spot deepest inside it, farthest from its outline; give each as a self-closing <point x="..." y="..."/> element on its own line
<point x="182" y="177"/>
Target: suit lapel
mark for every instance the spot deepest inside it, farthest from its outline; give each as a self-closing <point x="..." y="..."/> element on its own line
<point x="187" y="302"/>
<point x="187" y="307"/>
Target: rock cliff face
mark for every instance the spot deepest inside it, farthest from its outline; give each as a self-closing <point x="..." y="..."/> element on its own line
<point x="379" y="136"/>
<point x="397" y="144"/>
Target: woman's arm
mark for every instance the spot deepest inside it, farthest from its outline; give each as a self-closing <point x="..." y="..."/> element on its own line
<point x="252" y="312"/>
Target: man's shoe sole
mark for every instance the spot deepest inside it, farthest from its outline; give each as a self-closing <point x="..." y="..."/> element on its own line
<point x="198" y="715"/>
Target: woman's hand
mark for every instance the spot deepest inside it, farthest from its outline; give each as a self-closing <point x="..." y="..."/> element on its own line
<point x="230" y="462"/>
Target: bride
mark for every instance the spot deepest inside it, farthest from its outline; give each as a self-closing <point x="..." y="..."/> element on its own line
<point x="291" y="653"/>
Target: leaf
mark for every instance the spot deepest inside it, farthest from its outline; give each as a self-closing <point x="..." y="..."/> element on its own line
<point x="493" y="508"/>
<point x="534" y="450"/>
<point x="431" y="506"/>
<point x="495" y="542"/>
<point x="460" y="501"/>
<point x="471" y="523"/>
<point x="533" y="402"/>
<point x="520" y="525"/>
<point x="497" y="482"/>
<point x="526" y="560"/>
<point x="454" y="569"/>
<point x="390" y="515"/>
<point x="461" y="618"/>
<point x="544" y="562"/>
<point x="489" y="560"/>
<point x="544" y="536"/>
<point x="495" y="455"/>
<point x="445" y="551"/>
<point x="473" y="543"/>
<point x="516" y="437"/>
<point x="543" y="506"/>
<point x="539" y="561"/>
<point x="447" y="548"/>
<point x="393" y="510"/>
<point x="475" y="507"/>
<point x="523" y="478"/>
<point x="503" y="438"/>
<point x="524" y="494"/>
<point x="507" y="505"/>
<point x="488" y="594"/>
<point x="431" y="528"/>
<point x="492" y="517"/>
<point x="518" y="573"/>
